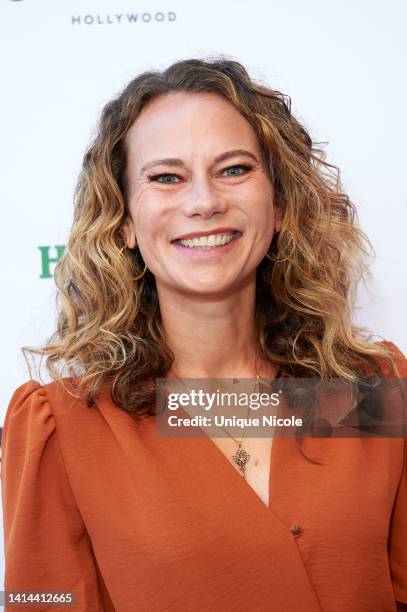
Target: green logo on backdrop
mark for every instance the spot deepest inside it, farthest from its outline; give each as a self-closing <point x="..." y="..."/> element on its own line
<point x="49" y="258"/>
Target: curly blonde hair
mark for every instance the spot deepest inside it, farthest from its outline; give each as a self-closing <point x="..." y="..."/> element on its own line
<point x="109" y="328"/>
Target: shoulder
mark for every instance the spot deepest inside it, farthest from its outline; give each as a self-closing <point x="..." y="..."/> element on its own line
<point x="36" y="420"/>
<point x="35" y="410"/>
<point x="397" y="357"/>
<point x="28" y="404"/>
<point x="32" y="407"/>
<point x="58" y="395"/>
<point x="28" y="430"/>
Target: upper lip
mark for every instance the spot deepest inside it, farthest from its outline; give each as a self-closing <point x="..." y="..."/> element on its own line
<point x="217" y="230"/>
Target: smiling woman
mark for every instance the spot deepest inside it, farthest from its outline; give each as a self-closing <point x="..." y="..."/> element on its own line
<point x="173" y="199"/>
<point x="210" y="239"/>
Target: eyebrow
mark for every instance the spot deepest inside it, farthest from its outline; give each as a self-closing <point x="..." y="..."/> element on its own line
<point x="172" y="161"/>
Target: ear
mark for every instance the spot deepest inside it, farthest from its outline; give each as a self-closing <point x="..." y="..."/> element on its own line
<point x="277" y="218"/>
<point x="128" y="232"/>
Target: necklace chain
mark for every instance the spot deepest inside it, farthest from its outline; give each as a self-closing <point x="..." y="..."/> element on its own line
<point x="241" y="457"/>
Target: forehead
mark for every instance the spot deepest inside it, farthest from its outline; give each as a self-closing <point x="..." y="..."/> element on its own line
<point x="183" y="123"/>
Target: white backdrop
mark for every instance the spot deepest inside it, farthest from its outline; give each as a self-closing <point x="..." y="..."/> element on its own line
<point x="342" y="63"/>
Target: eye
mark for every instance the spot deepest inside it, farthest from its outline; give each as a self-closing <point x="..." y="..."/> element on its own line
<point x="245" y="167"/>
<point x="166" y="178"/>
<point x="156" y="177"/>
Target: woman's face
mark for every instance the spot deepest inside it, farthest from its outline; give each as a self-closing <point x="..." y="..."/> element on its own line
<point x="194" y="166"/>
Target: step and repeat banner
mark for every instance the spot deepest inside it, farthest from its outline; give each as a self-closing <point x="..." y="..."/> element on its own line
<point x="342" y="64"/>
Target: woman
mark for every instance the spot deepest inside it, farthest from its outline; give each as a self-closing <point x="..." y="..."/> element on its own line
<point x="95" y="503"/>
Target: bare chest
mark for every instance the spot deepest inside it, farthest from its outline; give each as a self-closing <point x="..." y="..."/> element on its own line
<point x="257" y="472"/>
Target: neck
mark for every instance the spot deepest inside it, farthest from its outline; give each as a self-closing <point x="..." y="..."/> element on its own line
<point x="213" y="339"/>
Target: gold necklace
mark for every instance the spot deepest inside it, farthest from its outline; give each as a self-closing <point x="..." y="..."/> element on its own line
<point x="241" y="457"/>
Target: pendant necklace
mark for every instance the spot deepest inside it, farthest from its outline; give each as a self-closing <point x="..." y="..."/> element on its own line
<point x="241" y="457"/>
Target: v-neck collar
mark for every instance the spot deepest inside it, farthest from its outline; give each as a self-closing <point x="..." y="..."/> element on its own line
<point x="216" y="487"/>
<point x="239" y="501"/>
<point x="231" y="478"/>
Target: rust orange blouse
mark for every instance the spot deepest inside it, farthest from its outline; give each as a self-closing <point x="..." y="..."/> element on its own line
<point x="95" y="505"/>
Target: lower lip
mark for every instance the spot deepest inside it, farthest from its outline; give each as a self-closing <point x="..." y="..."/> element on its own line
<point x="206" y="252"/>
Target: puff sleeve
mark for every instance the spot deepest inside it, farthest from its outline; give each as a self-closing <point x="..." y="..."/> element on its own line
<point x="46" y="545"/>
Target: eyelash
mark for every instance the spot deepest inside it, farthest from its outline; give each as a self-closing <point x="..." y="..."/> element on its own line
<point x="154" y="177"/>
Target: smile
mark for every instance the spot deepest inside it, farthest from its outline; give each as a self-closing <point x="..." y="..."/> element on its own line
<point x="211" y="241"/>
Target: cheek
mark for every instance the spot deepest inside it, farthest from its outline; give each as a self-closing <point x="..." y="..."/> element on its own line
<point x="150" y="225"/>
<point x="258" y="194"/>
<point x="145" y="211"/>
<point x="261" y="209"/>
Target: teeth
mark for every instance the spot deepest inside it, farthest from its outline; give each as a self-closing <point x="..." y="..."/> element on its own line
<point x="207" y="241"/>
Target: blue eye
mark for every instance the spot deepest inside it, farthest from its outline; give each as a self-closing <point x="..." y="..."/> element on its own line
<point x="245" y="167"/>
<point x="156" y="178"/>
<point x="168" y="176"/>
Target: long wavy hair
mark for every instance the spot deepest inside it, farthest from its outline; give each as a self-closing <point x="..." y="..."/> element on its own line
<point x="109" y="328"/>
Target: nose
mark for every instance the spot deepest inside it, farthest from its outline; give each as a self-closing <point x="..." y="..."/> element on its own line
<point x="203" y="199"/>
